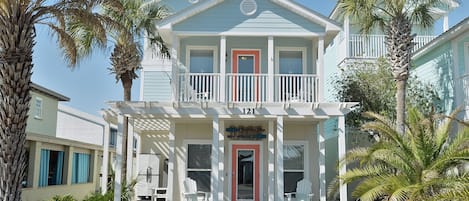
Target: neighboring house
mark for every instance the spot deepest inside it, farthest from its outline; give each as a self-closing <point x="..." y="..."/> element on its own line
<point x="240" y="107"/>
<point x="64" y="148"/>
<point x="444" y="63"/>
<point x="350" y="47"/>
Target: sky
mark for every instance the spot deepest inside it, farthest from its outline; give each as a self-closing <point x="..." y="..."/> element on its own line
<point x="90" y="85"/>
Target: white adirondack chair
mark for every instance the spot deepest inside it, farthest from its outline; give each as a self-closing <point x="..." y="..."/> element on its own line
<point x="190" y="191"/>
<point x="303" y="191"/>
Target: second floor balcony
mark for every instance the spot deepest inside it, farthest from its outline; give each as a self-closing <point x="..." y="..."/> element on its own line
<point x="374" y="46"/>
<point x="239" y="88"/>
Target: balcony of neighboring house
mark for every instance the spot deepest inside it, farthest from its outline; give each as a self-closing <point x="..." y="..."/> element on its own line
<point x="373" y="46"/>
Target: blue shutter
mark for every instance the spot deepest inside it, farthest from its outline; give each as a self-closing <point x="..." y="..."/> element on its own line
<point x="74" y="168"/>
<point x="44" y="168"/>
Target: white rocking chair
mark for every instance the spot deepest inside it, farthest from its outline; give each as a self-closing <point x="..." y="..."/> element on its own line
<point x="303" y="191"/>
<point x="191" y="193"/>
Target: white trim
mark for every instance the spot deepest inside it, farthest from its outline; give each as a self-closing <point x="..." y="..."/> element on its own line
<point x="214" y="49"/>
<point x="279" y="158"/>
<point x="342" y="151"/>
<point x="247" y="33"/>
<point x="466" y="58"/>
<point x="171" y="160"/>
<point x="214" y="178"/>
<point x="270" y="69"/>
<point x="186" y="144"/>
<point x="261" y="166"/>
<point x="271" y="162"/>
<point x="321" y="148"/>
<point x="291" y="49"/>
<point x="222" y="62"/>
<point x="38" y="110"/>
<point x="104" y="165"/>
<point x="118" y="167"/>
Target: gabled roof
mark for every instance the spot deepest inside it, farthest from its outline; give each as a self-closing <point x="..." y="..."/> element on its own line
<point x="48" y="92"/>
<point x="453" y="32"/>
<point x="197" y="8"/>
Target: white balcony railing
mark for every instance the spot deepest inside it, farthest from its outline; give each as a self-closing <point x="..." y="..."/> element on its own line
<point x="205" y="87"/>
<point x="196" y="87"/>
<point x="296" y="88"/>
<point x="246" y="87"/>
<point x="374" y="46"/>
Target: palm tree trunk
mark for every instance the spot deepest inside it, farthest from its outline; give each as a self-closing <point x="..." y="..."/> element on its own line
<point x="16" y="48"/>
<point x="127" y="85"/>
<point x="399" y="45"/>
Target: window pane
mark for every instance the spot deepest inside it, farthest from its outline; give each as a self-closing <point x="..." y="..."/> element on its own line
<point x="198" y="156"/>
<point x="113" y="137"/>
<point x="293" y="157"/>
<point x="291" y="62"/>
<point x="201" y="61"/>
<point x="202" y="178"/>
<point x="290" y="179"/>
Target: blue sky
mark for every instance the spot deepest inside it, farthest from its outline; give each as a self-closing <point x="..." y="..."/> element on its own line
<point x="90" y="84"/>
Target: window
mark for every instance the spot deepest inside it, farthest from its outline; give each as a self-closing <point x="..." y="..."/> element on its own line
<point x="80" y="168"/>
<point x="201" y="60"/>
<point x="199" y="165"/>
<point x="113" y="137"/>
<point x="294" y="165"/>
<point x="290" y="62"/>
<point x="51" y="167"/>
<point x="38" y="108"/>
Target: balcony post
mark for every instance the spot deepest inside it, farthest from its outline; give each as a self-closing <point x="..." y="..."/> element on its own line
<point x="105" y="166"/>
<point x="222" y="69"/>
<point x="175" y="68"/>
<point x="342" y="151"/>
<point x="320" y="70"/>
<point x="270" y="69"/>
<point x="347" y="35"/>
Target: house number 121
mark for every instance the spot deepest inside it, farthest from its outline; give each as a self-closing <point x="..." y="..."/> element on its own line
<point x="249" y="110"/>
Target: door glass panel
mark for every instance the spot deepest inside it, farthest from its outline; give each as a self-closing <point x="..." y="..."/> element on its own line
<point x="246" y="64"/>
<point x="245" y="175"/>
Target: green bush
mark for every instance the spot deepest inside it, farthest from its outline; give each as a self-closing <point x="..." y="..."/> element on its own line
<point x="63" y="198"/>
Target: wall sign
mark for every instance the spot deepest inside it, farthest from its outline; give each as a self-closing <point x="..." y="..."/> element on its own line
<point x="246" y="132"/>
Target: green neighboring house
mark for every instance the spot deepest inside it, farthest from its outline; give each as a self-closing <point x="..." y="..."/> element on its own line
<point x="444" y="62"/>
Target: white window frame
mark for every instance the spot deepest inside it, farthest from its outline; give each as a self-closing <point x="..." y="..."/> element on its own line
<point x="212" y="48"/>
<point x="38" y="110"/>
<point x="305" y="155"/>
<point x="186" y="158"/>
<point x="291" y="49"/>
<point x="466" y="58"/>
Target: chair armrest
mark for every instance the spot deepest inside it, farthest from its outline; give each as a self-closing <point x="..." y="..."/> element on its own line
<point x="289" y="195"/>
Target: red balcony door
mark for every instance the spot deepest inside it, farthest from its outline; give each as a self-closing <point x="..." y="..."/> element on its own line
<point x="246" y="63"/>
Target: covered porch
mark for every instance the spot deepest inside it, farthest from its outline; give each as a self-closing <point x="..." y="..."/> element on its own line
<point x="173" y="128"/>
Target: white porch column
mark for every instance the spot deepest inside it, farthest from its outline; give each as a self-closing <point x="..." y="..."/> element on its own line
<point x="445" y="23"/>
<point x="320" y="70"/>
<point x="175" y="68"/>
<point x="130" y="150"/>
<point x="222" y="68"/>
<point x="322" y="162"/>
<point x="270" y="69"/>
<point x="221" y="159"/>
<point x="279" y="161"/>
<point x="347" y="35"/>
<point x="105" y="164"/>
<point x="214" y="174"/>
<point x="271" y="159"/>
<point x="342" y="150"/>
<point x="118" y="168"/>
<point x="171" y="144"/>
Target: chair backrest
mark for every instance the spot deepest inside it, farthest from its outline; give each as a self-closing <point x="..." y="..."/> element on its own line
<point x="190" y="186"/>
<point x="303" y="186"/>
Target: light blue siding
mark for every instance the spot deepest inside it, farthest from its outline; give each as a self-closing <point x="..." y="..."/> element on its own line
<point x="436" y="68"/>
<point x="176" y="5"/>
<point x="269" y="18"/>
<point x="259" y="43"/>
<point x="156" y="86"/>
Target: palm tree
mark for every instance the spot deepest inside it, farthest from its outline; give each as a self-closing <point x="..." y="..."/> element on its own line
<point x="18" y="19"/>
<point x="396" y="19"/>
<point x="425" y="163"/>
<point x="136" y="19"/>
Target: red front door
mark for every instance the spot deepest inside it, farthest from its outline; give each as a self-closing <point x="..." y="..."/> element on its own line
<point x="245" y="172"/>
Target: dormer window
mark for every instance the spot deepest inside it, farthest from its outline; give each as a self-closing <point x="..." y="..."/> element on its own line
<point x="38" y="108"/>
